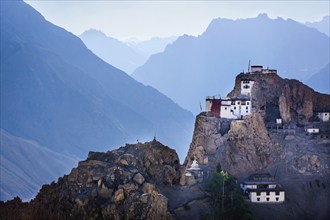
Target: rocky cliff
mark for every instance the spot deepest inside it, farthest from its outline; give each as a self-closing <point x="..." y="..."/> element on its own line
<point x="276" y="97"/>
<point x="298" y="160"/>
<point x="240" y="147"/>
<point x="120" y="184"/>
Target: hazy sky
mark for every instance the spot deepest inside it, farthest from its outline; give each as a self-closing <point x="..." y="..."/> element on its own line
<point x="145" y="19"/>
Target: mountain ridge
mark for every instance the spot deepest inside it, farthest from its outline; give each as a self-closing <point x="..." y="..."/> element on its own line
<point x="57" y="93"/>
<point x="228" y="45"/>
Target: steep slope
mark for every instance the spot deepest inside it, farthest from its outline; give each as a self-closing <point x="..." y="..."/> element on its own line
<point x="57" y="93"/>
<point x="315" y="81"/>
<point x="204" y="65"/>
<point x="113" y="51"/>
<point x="25" y="166"/>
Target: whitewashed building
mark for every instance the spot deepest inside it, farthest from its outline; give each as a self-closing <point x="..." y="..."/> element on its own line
<point x="246" y="86"/>
<point x="324" y="116"/>
<point x="263" y="189"/>
<point x="235" y="108"/>
<point x="230" y="108"/>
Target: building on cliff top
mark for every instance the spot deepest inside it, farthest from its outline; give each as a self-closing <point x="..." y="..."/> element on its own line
<point x="262" y="188"/>
<point x="260" y="70"/>
<point x="239" y="106"/>
<point x="231" y="108"/>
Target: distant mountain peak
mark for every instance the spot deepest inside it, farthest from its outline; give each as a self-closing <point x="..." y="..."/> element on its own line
<point x="94" y="32"/>
<point x="263" y="16"/>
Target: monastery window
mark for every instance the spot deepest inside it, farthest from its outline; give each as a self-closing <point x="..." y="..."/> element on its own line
<point x="247" y="103"/>
<point x="238" y="103"/>
<point x="258" y="199"/>
<point x="258" y="193"/>
<point x="267" y="193"/>
<point x="276" y="198"/>
<point x="277" y="193"/>
<point x="235" y="107"/>
<point x="247" y="107"/>
<point x="247" y="111"/>
<point x="233" y="102"/>
<point x="267" y="199"/>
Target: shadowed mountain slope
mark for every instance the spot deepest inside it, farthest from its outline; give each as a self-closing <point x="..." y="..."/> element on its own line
<point x="57" y="93"/>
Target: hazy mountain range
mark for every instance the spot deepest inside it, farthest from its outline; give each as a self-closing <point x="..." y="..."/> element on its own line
<point x="56" y="94"/>
<point x="126" y="56"/>
<point x="321" y="80"/>
<point x="207" y="64"/>
<point x="322" y="26"/>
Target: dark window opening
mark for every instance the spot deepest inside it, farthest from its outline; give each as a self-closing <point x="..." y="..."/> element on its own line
<point x="258" y="193"/>
<point x="277" y="193"/>
<point x="276" y="198"/>
<point x="267" y="199"/>
<point x="267" y="193"/>
<point x="258" y="199"/>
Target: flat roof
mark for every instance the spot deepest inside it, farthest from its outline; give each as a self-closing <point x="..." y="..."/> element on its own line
<point x="266" y="190"/>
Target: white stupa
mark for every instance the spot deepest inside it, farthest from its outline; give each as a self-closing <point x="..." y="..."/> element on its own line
<point x="194" y="166"/>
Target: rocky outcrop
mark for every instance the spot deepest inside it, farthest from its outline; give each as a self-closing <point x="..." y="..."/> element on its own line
<point x="250" y="147"/>
<point x="275" y="97"/>
<point x="121" y="184"/>
<point x="240" y="147"/>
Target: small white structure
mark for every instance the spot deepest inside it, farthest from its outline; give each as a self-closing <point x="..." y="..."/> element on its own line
<point x="256" y="69"/>
<point x="324" y="116"/>
<point x="263" y="189"/>
<point x="194" y="173"/>
<point x="313" y="130"/>
<point x="279" y="121"/>
<point x="246" y="86"/>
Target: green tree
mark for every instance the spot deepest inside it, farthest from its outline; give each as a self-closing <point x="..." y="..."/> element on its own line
<point x="227" y="199"/>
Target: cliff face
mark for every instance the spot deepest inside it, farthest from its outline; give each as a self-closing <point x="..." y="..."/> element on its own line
<point x="275" y="97"/>
<point x="299" y="161"/>
<point x="240" y="147"/>
<point x="120" y="184"/>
